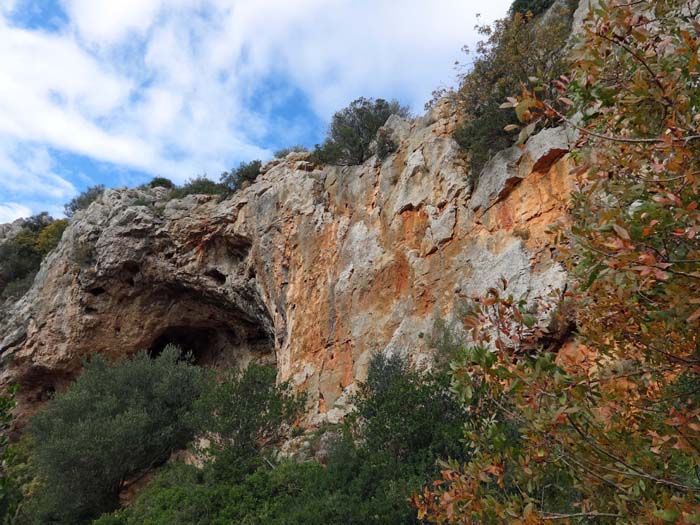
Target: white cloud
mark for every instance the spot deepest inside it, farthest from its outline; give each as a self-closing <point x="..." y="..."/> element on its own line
<point x="9" y="211"/>
<point x="29" y="182"/>
<point x="107" y="22"/>
<point x="181" y="87"/>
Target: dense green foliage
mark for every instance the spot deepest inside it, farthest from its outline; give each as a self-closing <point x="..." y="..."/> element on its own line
<point x="21" y="256"/>
<point x="404" y="422"/>
<point x="353" y="129"/>
<point x="245" y="172"/>
<point x="228" y="184"/>
<point x="244" y="416"/>
<point x="111" y="426"/>
<point x="161" y="182"/>
<point x="515" y="50"/>
<point x="10" y="492"/>
<point x="199" y="185"/>
<point x="433" y="424"/>
<point x="535" y="7"/>
<point x="83" y="200"/>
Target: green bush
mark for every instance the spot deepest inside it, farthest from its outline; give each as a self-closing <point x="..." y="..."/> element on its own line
<point x="161" y="182"/>
<point x="404" y="422"/>
<point x="353" y="129"/>
<point x="199" y="185"/>
<point x="535" y="7"/>
<point x="50" y="236"/>
<point x="112" y="425"/>
<point x="9" y="498"/>
<point x="246" y="171"/>
<point x="21" y="256"/>
<point x="17" y="287"/>
<point x="18" y="260"/>
<point x="291" y="493"/>
<point x="16" y="481"/>
<point x="83" y="200"/>
<point x="244" y="416"/>
<point x="516" y="50"/>
<point x="433" y="424"/>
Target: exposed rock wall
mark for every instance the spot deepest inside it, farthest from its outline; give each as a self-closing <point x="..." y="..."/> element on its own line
<point x="314" y="268"/>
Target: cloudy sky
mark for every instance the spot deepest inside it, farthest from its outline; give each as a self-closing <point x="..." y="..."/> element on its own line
<point x="118" y="91"/>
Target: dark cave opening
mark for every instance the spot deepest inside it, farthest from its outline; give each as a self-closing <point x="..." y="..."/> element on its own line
<point x="215" y="346"/>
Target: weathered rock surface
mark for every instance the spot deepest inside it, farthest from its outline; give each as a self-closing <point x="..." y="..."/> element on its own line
<point x="314" y="268"/>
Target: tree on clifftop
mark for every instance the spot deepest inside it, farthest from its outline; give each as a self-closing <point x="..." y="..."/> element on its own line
<point x="353" y="129"/>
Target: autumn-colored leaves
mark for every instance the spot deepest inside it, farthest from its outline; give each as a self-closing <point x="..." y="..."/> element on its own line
<point x="617" y="440"/>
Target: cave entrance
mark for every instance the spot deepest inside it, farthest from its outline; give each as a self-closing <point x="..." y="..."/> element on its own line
<point x="216" y="346"/>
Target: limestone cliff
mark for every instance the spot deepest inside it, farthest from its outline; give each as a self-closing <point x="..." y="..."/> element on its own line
<point x="314" y="268"/>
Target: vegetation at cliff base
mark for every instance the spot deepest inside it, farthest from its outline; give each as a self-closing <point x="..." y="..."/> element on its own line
<point x="109" y="428"/>
<point x="118" y="422"/>
<point x="403" y="422"/>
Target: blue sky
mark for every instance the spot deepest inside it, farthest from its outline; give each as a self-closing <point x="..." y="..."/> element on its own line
<point x="117" y="92"/>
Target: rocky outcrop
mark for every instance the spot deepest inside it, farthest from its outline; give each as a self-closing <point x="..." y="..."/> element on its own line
<point x="314" y="268"/>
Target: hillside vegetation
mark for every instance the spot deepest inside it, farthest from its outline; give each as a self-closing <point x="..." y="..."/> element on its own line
<point x="21" y="254"/>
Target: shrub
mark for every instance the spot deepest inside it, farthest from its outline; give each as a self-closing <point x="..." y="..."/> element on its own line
<point x="516" y="49"/>
<point x="246" y="171"/>
<point x="21" y="256"/>
<point x="282" y="153"/>
<point x="353" y="129"/>
<point x="535" y="7"/>
<point x="199" y="185"/>
<point x="140" y="201"/>
<point x="83" y="200"/>
<point x="9" y="496"/>
<point x="245" y="415"/>
<point x="111" y="426"/>
<point x="434" y="422"/>
<point x="371" y="470"/>
<point x="50" y="236"/>
<point x="289" y="494"/>
<point x="326" y="153"/>
<point x="16" y="481"/>
<point x="161" y="182"/>
<point x="37" y="222"/>
<point x="18" y="287"/>
<point x="18" y="259"/>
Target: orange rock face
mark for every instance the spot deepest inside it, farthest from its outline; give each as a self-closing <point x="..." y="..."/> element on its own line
<point x="314" y="268"/>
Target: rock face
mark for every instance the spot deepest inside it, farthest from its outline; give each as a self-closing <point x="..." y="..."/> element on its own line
<point x="313" y="268"/>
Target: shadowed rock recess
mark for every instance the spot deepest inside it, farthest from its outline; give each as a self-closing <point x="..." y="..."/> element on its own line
<point x="312" y="268"/>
